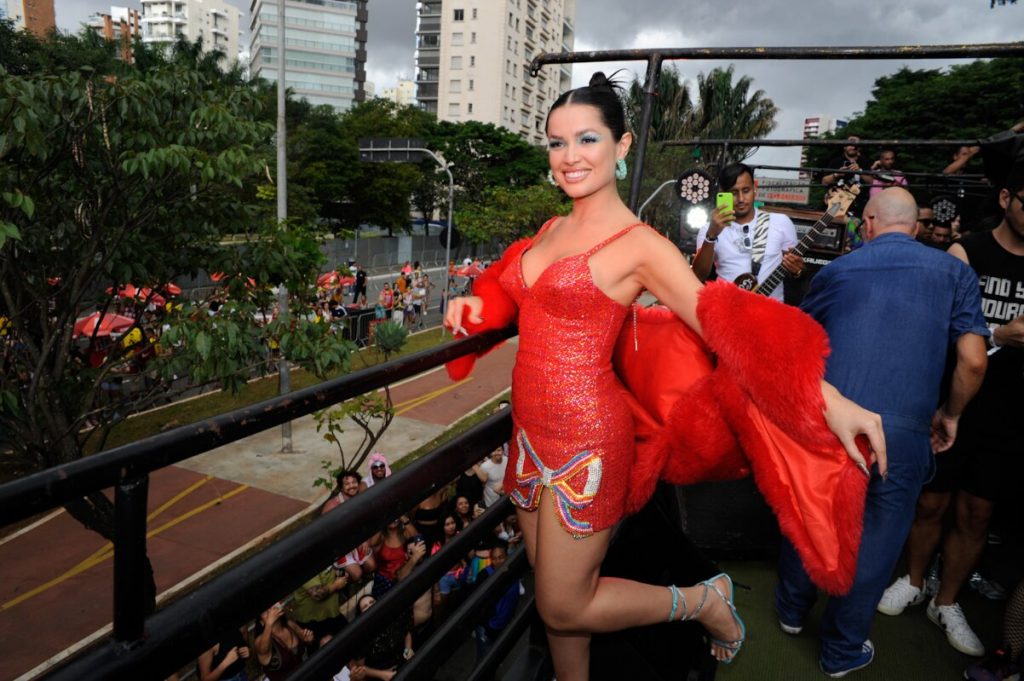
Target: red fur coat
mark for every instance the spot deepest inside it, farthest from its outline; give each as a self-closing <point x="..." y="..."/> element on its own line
<point x="745" y="398"/>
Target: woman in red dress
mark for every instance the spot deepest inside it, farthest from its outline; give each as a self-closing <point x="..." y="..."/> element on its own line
<point x="573" y="441"/>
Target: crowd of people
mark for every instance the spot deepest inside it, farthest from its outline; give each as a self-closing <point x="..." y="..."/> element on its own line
<point x="908" y="325"/>
<point x="407" y="299"/>
<point x="893" y="311"/>
<point x="926" y="371"/>
<point x="286" y="633"/>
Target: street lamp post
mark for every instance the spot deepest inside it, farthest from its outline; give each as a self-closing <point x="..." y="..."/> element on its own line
<point x="407" y="150"/>
<point x="283" y="372"/>
<point x="640" y="211"/>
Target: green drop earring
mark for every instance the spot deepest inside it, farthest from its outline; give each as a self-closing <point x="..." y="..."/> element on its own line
<point x="620" y="169"/>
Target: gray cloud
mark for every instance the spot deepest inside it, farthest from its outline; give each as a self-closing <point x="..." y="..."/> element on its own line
<point x="799" y="88"/>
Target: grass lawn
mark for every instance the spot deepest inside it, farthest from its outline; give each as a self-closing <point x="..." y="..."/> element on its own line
<point x="214" y="403"/>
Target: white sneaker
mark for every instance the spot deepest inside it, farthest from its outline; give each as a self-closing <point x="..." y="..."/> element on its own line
<point x="790" y="629"/>
<point x="958" y="632"/>
<point x="900" y="595"/>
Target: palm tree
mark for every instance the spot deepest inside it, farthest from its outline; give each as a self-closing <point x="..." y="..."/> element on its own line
<point x="673" y="108"/>
<point x="725" y="111"/>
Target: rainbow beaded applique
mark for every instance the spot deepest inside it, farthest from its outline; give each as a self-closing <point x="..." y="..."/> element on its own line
<point x="558" y="481"/>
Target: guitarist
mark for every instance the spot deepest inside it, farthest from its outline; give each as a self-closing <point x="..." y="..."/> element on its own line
<point x="745" y="241"/>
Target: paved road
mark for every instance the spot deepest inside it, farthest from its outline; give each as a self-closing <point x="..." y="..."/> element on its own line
<point x="56" y="577"/>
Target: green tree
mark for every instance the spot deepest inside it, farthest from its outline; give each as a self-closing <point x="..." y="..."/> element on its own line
<point x="723" y="109"/>
<point x="504" y="214"/>
<point x="728" y="110"/>
<point x="133" y="175"/>
<point x="373" y="193"/>
<point x="484" y="156"/>
<point x="672" y="114"/>
<point x="965" y="101"/>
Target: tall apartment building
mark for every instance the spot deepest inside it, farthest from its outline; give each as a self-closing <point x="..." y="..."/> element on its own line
<point x="325" y="48"/>
<point x="403" y="94"/>
<point x="122" y="25"/>
<point x="816" y="126"/>
<point x="31" y="15"/>
<point x="215" y="21"/>
<point x="473" y="57"/>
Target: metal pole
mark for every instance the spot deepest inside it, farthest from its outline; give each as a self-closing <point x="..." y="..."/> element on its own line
<point x="448" y="237"/>
<point x="640" y="211"/>
<point x="283" y="375"/>
<point x="646" y="112"/>
<point x="130" y="574"/>
<point x="451" y="201"/>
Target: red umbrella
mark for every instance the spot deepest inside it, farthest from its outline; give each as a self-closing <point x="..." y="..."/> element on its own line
<point x="218" y="276"/>
<point x="333" y="279"/>
<point x="108" y="324"/>
<point x="469" y="271"/>
<point x="125" y="291"/>
<point x="142" y="294"/>
<point x="170" y="288"/>
<point x="150" y="296"/>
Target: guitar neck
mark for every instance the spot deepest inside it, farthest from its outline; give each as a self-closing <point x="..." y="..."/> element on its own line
<point x="779" y="273"/>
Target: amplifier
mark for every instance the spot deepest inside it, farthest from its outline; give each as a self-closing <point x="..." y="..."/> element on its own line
<point x="831" y="239"/>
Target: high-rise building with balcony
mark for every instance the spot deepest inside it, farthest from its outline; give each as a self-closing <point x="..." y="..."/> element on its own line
<point x="122" y="25"/>
<point x="325" y="48"/>
<point x="473" y="59"/>
<point x="815" y="126"/>
<point x="215" y="21"/>
<point x="31" y="15"/>
<point x="403" y="94"/>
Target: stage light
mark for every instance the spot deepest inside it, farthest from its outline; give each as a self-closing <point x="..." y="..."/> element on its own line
<point x="696" y="218"/>
<point x="695" y="188"/>
<point x="945" y="210"/>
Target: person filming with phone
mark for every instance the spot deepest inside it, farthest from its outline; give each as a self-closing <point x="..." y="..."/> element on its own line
<point x="745" y="244"/>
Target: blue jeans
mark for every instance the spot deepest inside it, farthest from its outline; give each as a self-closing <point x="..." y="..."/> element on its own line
<point x="888" y="514"/>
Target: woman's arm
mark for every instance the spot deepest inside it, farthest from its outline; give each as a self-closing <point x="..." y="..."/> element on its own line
<point x="664" y="272"/>
<point x="847" y="420"/>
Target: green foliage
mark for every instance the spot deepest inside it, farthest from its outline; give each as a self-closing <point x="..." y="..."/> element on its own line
<point x="372" y="413"/>
<point x="389" y="337"/>
<point x="723" y="109"/>
<point x="485" y="156"/>
<point x="115" y="174"/>
<point x="505" y="214"/>
<point x="324" y="155"/>
<point x="966" y="101"/>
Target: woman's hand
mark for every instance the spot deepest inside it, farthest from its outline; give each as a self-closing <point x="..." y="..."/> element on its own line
<point x="847" y="420"/>
<point x="456" y="306"/>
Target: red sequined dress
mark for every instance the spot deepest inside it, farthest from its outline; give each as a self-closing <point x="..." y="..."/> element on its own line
<point x="573" y="427"/>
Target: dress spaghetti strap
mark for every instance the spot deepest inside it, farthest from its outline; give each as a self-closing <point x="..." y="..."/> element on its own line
<point x="612" y="238"/>
<point x="545" y="226"/>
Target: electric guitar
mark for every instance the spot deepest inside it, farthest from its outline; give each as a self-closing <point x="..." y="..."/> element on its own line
<point x="839" y="200"/>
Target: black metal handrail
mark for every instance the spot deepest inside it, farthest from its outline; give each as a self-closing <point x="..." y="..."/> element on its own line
<point x="56" y="486"/>
<point x="656" y="56"/>
<point x="185" y="628"/>
<point x="815" y="142"/>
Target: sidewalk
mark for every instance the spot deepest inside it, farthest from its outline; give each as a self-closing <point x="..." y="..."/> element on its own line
<point x="425" y="406"/>
<point x="203" y="512"/>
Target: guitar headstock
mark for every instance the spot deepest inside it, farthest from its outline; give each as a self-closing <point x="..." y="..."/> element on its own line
<point x="839" y="198"/>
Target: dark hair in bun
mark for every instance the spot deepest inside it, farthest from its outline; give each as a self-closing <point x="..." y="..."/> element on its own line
<point x="601" y="94"/>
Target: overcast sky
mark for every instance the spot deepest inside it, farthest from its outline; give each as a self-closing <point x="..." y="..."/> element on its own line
<point x="798" y="88"/>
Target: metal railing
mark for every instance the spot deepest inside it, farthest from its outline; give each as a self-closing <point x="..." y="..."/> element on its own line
<point x="655" y="57"/>
<point x="142" y="647"/>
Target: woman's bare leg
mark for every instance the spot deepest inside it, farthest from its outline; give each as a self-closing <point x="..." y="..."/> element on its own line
<point x="574" y="601"/>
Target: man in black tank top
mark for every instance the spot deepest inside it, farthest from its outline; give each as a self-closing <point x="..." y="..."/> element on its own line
<point x="985" y="462"/>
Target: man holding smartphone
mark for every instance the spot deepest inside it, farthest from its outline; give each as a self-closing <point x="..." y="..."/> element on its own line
<point x="741" y="240"/>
